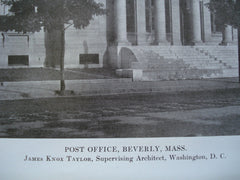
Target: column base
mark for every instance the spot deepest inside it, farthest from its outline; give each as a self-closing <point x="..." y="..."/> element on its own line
<point x="143" y="44"/>
<point x="123" y="44"/>
<point x="135" y="74"/>
<point x="225" y="43"/>
<point x="176" y="43"/>
<point x="197" y="43"/>
<point x="161" y="43"/>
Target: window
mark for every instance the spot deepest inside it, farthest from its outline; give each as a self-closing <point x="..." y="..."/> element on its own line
<point x="18" y="60"/>
<point x="89" y="59"/>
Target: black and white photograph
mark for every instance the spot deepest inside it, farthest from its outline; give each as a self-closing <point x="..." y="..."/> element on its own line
<point x="121" y="69"/>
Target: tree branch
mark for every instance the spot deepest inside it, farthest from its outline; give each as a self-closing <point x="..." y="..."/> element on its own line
<point x="68" y="26"/>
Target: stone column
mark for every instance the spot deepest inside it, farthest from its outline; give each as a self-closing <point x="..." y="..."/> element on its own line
<point x="213" y="23"/>
<point x="150" y="15"/>
<point x="120" y="22"/>
<point x="227" y="35"/>
<point x="160" y="22"/>
<point x="176" y="25"/>
<point x="207" y="22"/>
<point x="141" y="22"/>
<point x="235" y="34"/>
<point x="196" y="22"/>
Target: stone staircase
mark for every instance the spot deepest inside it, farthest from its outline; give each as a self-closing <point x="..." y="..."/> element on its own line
<point x="225" y="55"/>
<point x="182" y="62"/>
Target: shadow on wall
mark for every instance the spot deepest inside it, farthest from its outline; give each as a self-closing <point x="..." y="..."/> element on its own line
<point x="106" y="60"/>
<point x="119" y="57"/>
<point x="127" y="57"/>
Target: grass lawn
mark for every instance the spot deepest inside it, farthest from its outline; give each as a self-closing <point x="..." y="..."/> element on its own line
<point x="43" y="74"/>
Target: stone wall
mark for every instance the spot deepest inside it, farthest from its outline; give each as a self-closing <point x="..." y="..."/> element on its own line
<point x="22" y="44"/>
<point x="91" y="40"/>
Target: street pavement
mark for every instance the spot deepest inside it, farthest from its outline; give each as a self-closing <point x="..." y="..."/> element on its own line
<point x="120" y="108"/>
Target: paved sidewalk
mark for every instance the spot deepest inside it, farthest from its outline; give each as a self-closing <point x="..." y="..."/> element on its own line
<point x="47" y="89"/>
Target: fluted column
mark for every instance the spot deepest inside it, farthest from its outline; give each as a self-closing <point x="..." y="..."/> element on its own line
<point x="160" y="22"/>
<point x="196" y="22"/>
<point x="175" y="20"/>
<point x="207" y="22"/>
<point x="120" y="22"/>
<point x="227" y="35"/>
<point x="141" y="22"/>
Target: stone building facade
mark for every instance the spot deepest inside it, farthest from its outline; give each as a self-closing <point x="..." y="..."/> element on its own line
<point x="143" y="39"/>
<point x="29" y="50"/>
<point x="154" y="22"/>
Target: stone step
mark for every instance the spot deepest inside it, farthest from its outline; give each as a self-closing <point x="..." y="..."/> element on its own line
<point x="230" y="55"/>
<point x="231" y="72"/>
<point x="184" y="62"/>
<point x="176" y="66"/>
<point x="184" y="74"/>
<point x="160" y="66"/>
<point x="193" y="58"/>
<point x="188" y="61"/>
<point x="227" y="55"/>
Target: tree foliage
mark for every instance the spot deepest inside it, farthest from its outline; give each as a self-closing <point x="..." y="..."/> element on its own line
<point x="226" y="12"/>
<point x="31" y="15"/>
